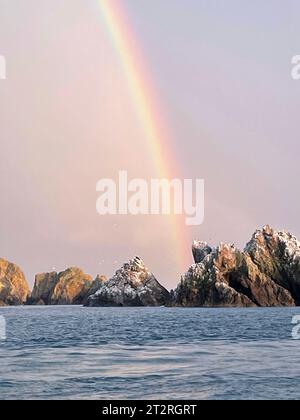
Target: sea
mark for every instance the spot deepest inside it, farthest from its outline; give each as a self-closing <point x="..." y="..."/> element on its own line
<point x="72" y="353"/>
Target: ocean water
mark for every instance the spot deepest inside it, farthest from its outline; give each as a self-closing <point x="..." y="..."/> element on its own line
<point x="149" y="353"/>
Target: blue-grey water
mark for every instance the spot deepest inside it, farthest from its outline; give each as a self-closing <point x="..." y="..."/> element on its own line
<point x="149" y="353"/>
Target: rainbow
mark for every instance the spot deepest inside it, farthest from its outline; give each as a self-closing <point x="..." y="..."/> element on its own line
<point x="147" y="108"/>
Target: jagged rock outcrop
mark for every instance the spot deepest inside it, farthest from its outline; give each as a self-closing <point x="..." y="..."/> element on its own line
<point x="132" y="285"/>
<point x="70" y="287"/>
<point x="14" y="289"/>
<point x="200" y="251"/>
<point x="266" y="273"/>
<point x="277" y="254"/>
<point x="43" y="288"/>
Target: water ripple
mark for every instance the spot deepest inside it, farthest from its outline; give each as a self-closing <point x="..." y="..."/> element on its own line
<point x="154" y="353"/>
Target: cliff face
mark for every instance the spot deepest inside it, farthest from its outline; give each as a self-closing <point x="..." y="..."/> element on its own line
<point x="69" y="287"/>
<point x="277" y="254"/>
<point x="43" y="288"/>
<point x="14" y="289"/>
<point x="132" y="285"/>
<point x="266" y="273"/>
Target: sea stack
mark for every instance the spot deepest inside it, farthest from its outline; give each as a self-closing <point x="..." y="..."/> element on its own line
<point x="132" y="285"/>
<point x="266" y="273"/>
<point x="70" y="287"/>
<point x="14" y="289"/>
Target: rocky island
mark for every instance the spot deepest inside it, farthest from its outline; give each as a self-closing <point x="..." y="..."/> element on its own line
<point x="132" y="285"/>
<point x="14" y="289"/>
<point x="70" y="287"/>
<point x="266" y="273"/>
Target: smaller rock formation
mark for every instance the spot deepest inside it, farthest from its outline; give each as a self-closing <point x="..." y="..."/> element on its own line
<point x="69" y="287"/>
<point x="14" y="289"/>
<point x="132" y="285"/>
<point x="44" y="286"/>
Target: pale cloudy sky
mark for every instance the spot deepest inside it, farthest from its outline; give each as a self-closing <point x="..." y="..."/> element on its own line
<point x="222" y="71"/>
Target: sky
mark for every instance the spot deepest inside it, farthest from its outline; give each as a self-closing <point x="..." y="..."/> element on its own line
<point x="221" y="71"/>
